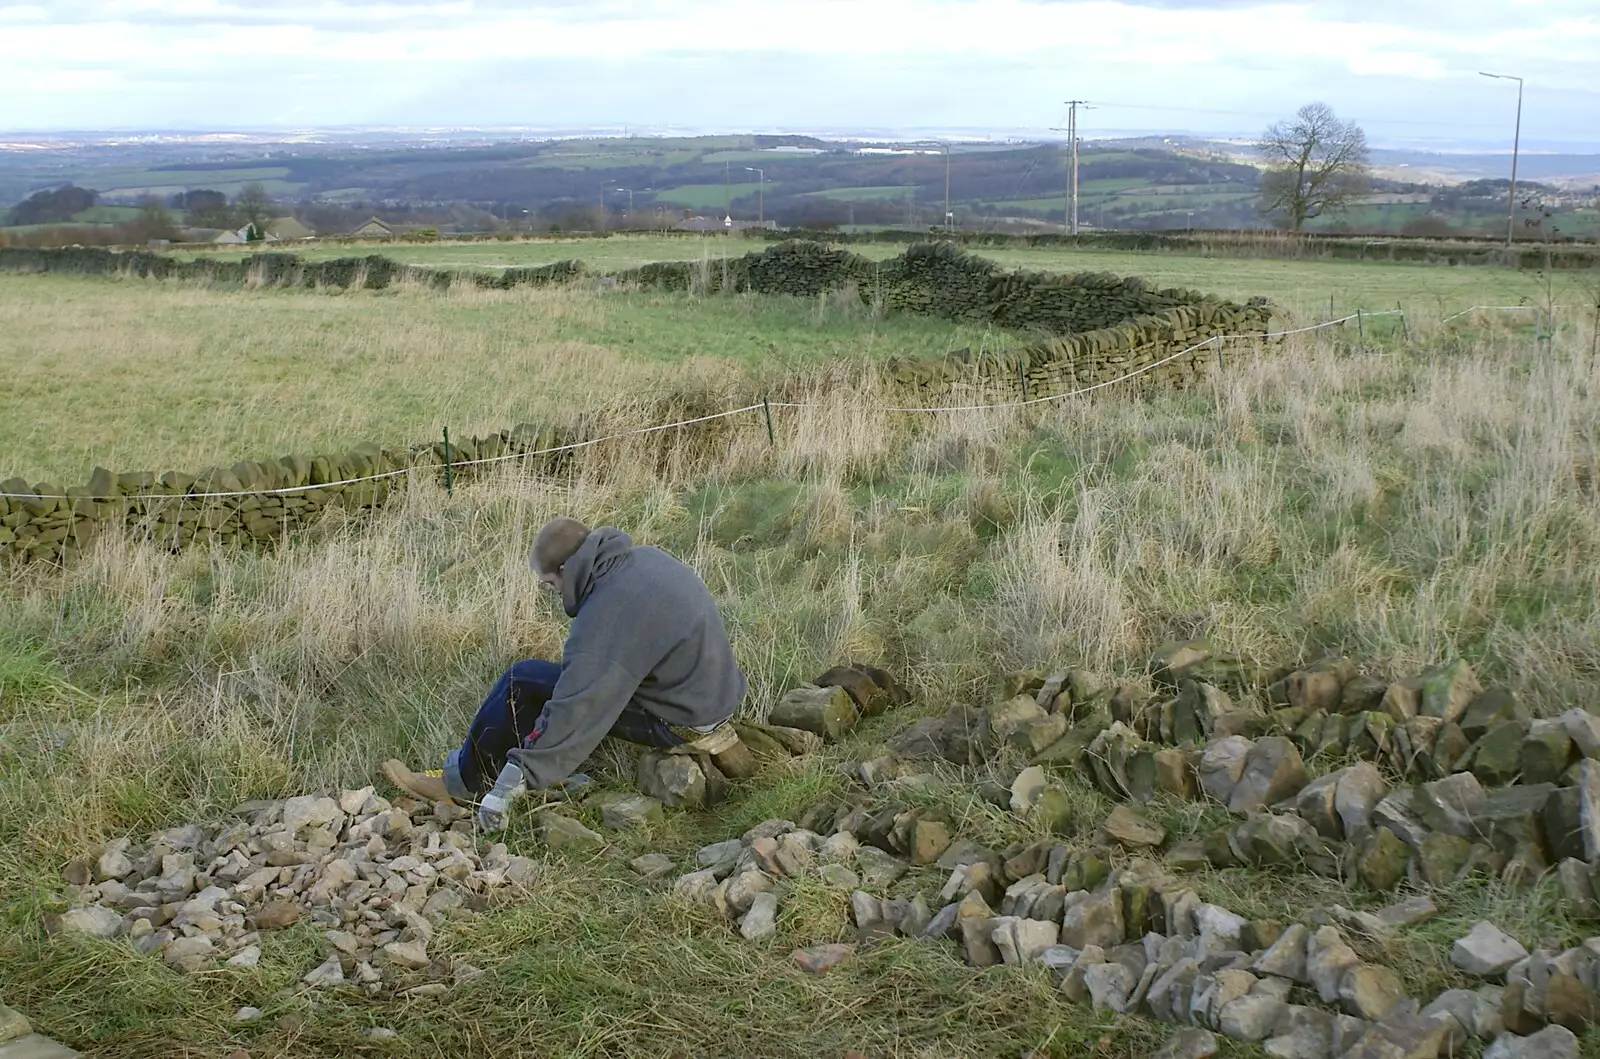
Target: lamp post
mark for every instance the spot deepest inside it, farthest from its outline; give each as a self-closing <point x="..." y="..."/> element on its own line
<point x="761" y="193"/>
<point x="1516" y="142"/>
<point x="629" y="193"/>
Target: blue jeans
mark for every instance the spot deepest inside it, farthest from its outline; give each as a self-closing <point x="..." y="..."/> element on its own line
<point x="513" y="715"/>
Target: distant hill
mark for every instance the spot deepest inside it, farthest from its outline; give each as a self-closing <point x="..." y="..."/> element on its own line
<point x="1150" y="182"/>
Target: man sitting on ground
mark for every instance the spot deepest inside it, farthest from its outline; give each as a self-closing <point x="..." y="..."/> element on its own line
<point x="646" y="660"/>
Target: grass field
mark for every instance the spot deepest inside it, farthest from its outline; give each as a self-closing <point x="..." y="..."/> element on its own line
<point x="706" y="196"/>
<point x="1302" y="287"/>
<point x="1397" y="503"/>
<point x="876" y="194"/>
<point x="188" y="377"/>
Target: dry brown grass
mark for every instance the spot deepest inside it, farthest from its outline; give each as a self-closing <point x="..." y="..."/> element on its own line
<point x="1399" y="505"/>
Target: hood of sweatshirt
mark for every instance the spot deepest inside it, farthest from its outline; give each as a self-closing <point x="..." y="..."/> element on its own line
<point x="601" y="553"/>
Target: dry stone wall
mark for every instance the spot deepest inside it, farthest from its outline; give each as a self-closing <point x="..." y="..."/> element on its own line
<point x="1080" y="330"/>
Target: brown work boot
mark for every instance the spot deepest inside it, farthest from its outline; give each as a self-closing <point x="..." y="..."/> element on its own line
<point x="429" y="786"/>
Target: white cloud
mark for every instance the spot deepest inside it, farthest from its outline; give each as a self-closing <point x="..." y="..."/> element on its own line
<point x="908" y="62"/>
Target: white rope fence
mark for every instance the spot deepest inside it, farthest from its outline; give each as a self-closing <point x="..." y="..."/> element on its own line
<point x="763" y="406"/>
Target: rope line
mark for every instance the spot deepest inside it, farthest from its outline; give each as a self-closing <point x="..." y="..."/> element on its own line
<point x="384" y="475"/>
<point x="1488" y="308"/>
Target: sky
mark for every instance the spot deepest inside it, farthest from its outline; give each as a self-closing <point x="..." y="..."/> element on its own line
<point x="1408" y="70"/>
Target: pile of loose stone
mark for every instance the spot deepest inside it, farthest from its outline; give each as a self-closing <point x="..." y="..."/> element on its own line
<point x="377" y="877"/>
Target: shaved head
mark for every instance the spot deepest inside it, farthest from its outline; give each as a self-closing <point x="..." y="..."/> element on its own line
<point x="555" y="544"/>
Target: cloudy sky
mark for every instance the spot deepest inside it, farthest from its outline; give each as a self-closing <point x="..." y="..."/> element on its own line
<point x="1406" y="68"/>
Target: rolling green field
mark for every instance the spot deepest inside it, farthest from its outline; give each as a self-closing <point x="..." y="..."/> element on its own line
<point x="865" y="194"/>
<point x="1303" y="287"/>
<point x="708" y="196"/>
<point x="188" y="377"/>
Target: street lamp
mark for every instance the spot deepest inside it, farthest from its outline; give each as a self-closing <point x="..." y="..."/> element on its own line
<point x="1511" y="198"/>
<point x="761" y="192"/>
<point x="629" y="192"/>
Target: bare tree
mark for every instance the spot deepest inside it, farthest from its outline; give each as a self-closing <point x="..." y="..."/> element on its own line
<point x="1316" y="164"/>
<point x="253" y="205"/>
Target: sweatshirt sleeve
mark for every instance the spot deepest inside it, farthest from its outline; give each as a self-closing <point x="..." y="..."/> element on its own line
<point x="587" y="700"/>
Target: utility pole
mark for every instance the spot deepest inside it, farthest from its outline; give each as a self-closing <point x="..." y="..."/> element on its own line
<point x="949" y="218"/>
<point x="1516" y="141"/>
<point x="761" y="193"/>
<point x="727" y="203"/>
<point x="1071" y="211"/>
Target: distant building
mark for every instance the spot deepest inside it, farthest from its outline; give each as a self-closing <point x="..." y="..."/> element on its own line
<point x="287" y="228"/>
<point x="720" y="224"/>
<point x="374" y="229"/>
<point x="243" y="236"/>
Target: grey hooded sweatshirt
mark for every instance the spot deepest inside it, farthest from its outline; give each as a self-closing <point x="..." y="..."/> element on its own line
<point x="645" y="629"/>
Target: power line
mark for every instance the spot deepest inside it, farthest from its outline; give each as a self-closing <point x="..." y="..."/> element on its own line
<point x="1264" y="114"/>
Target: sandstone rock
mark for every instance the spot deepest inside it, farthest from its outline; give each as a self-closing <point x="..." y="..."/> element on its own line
<point x="328" y="973"/>
<point x="306" y="811"/>
<point x="1583" y="728"/>
<point x="380" y="1033"/>
<point x="673" y="779"/>
<point x="247" y="1014"/>
<point x="411" y="955"/>
<point x="1171" y="661"/>
<point x="276" y="915"/>
<point x="1360" y="789"/>
<point x="652" y="865"/>
<point x="1218" y="929"/>
<point x="1053" y="813"/>
<point x="1020" y="941"/>
<point x="632" y="812"/>
<point x="1026" y="789"/>
<point x="839" y="877"/>
<point x="1272" y="772"/>
<point x="1221" y="764"/>
<point x="1487" y="951"/>
<point x="1577" y="884"/>
<point x="1327" y="959"/>
<point x="1301" y="1033"/>
<point x="1552" y="1042"/>
<point x="13" y="1025"/>
<point x="189" y="954"/>
<point x="1109" y="985"/>
<point x="826" y="712"/>
<point x="820" y="958"/>
<point x="249" y="956"/>
<point x="1382" y="860"/>
<point x="1458" y="1004"/>
<point x="977" y="941"/>
<point x="1447" y="689"/>
<point x="721" y="856"/>
<point x="1589" y="807"/>
<point x="1497" y="755"/>
<point x="1320" y="686"/>
<point x="1369" y="991"/>
<point x="737" y="895"/>
<point x="113" y="862"/>
<point x="1569" y="1002"/>
<point x="1192" y="1043"/>
<point x="1250" y="1018"/>
<point x="1547" y="751"/>
<point x="1452" y="804"/>
<point x="1411" y="911"/>
<point x="564" y="833"/>
<point x="1286" y="957"/>
<point x="91" y="921"/>
<point x="1441" y="857"/>
<point x="1397" y="813"/>
<point x="761" y="921"/>
<point x="928" y="839"/>
<point x="1133" y="830"/>
<point x="1096" y="920"/>
<point x="1401" y="1036"/>
<point x="878" y="869"/>
<point x="1316" y="804"/>
<point x="1490" y="708"/>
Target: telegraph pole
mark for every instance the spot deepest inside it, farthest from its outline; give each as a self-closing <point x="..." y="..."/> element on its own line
<point x="1071" y="210"/>
<point x="949" y="219"/>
